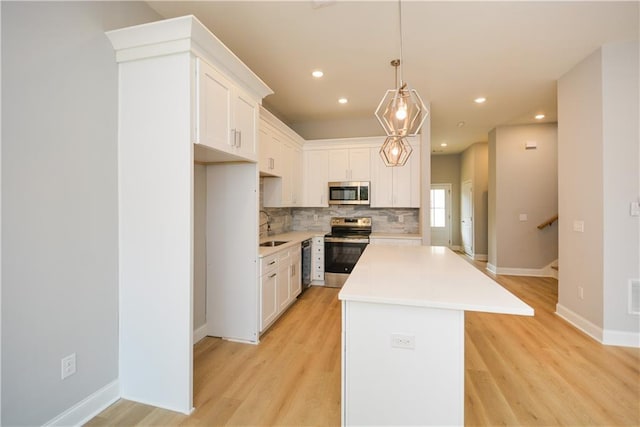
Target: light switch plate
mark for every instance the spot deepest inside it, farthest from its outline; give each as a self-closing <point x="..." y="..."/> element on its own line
<point x="578" y="226"/>
<point x="523" y="217"/>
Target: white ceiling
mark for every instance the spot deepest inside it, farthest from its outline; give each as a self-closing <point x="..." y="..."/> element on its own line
<point x="510" y="52"/>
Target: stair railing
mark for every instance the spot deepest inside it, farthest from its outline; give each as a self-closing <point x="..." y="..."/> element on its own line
<point x="548" y="222"/>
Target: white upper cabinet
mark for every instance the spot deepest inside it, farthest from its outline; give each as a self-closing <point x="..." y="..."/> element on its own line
<point x="398" y="186"/>
<point x="245" y="119"/>
<point x="349" y="164"/>
<point x="226" y="116"/>
<point x="270" y="148"/>
<point x="280" y="163"/>
<point x="316" y="178"/>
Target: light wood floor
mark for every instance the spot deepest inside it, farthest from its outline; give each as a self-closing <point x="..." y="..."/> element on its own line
<point x="529" y="371"/>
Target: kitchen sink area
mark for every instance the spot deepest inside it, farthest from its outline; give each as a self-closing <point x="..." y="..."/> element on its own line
<point x="273" y="243"/>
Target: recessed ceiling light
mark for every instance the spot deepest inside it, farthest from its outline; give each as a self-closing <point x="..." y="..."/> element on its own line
<point x="480" y="100"/>
<point x="539" y="116"/>
<point x="317" y="74"/>
<point x="444" y="144"/>
<point x="343" y="100"/>
<point x="461" y="124"/>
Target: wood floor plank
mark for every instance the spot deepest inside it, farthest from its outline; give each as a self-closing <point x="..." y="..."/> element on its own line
<point x="519" y="371"/>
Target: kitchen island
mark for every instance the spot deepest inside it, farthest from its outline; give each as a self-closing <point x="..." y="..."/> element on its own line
<point x="403" y="334"/>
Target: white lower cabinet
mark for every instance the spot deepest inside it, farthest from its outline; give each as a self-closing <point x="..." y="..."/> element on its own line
<point x="269" y="304"/>
<point x="280" y="284"/>
<point x="295" y="275"/>
<point x="282" y="281"/>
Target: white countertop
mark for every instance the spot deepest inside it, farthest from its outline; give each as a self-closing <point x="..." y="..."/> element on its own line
<point x="292" y="238"/>
<point x="426" y="276"/>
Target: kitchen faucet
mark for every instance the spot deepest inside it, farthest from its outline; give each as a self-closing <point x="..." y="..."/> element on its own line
<point x="267" y="223"/>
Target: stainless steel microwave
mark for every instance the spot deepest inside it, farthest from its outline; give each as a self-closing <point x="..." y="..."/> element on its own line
<point x="349" y="193"/>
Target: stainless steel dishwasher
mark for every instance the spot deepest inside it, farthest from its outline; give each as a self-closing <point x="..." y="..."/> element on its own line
<point x="306" y="264"/>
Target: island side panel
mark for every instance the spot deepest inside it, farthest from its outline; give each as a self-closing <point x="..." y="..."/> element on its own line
<point x="387" y="385"/>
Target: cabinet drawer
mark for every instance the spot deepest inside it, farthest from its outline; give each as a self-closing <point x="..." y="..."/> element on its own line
<point x="318" y="241"/>
<point x="268" y="263"/>
<point x="318" y="275"/>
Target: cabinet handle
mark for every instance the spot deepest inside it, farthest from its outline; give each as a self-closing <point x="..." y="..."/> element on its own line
<point x="273" y="275"/>
<point x="272" y="262"/>
<point x="239" y="138"/>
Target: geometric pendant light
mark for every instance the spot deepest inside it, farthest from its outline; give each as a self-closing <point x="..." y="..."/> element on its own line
<point x="401" y="113"/>
<point x="401" y="110"/>
<point x="395" y="151"/>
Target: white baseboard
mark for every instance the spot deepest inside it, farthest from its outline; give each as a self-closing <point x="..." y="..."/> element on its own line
<point x="480" y="257"/>
<point x="199" y="333"/>
<point x="89" y="407"/>
<point x="603" y="336"/>
<point x="621" y="338"/>
<point x="456" y="248"/>
<point x="534" y="272"/>
<point x="491" y="268"/>
<point x="579" y="322"/>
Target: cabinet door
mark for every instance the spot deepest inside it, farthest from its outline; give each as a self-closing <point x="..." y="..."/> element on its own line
<point x="406" y="182"/>
<point x="213" y="127"/>
<point x="295" y="277"/>
<point x="381" y="182"/>
<point x="402" y="184"/>
<point x="282" y="284"/>
<point x="296" y="177"/>
<point x="287" y="155"/>
<point x="359" y="164"/>
<point x="416" y="172"/>
<point x="264" y="148"/>
<point x="245" y="114"/>
<point x="270" y="151"/>
<point x="269" y="306"/>
<point x="339" y="165"/>
<point x="316" y="178"/>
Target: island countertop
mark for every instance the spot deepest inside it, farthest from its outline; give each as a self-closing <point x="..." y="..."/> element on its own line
<point x="426" y="276"/>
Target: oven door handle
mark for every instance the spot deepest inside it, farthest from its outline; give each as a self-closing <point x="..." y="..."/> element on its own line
<point x="344" y="240"/>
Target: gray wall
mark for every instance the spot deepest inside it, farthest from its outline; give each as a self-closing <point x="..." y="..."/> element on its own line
<point x="598" y="179"/>
<point x="59" y="202"/>
<point x="524" y="182"/>
<point x="474" y="166"/>
<point x="445" y="169"/>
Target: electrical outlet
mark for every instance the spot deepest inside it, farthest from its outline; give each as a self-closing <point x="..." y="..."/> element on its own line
<point x="403" y="341"/>
<point x="315" y="217"/>
<point x="580" y="292"/>
<point x="68" y="365"/>
<point x="578" y="226"/>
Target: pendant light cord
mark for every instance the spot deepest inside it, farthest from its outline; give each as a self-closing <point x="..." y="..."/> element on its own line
<point x="401" y="53"/>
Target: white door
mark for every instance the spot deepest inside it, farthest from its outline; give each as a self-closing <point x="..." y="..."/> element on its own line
<point x="441" y="215"/>
<point x="466" y="217"/>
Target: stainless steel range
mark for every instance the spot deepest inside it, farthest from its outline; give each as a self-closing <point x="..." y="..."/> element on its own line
<point x="343" y="246"/>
